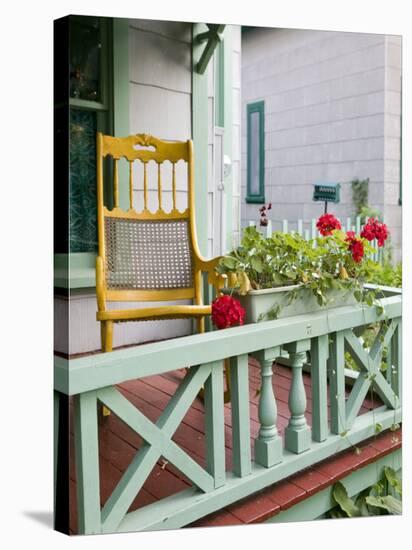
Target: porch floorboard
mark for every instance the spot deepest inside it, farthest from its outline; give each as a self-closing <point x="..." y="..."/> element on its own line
<point x="118" y="445"/>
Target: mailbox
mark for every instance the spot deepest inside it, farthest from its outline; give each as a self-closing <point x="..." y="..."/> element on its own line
<point x="326" y="192"/>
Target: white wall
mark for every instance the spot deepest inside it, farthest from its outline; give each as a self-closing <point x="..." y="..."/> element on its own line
<point x="331" y="115"/>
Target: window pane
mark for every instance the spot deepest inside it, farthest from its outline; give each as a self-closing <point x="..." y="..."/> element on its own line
<point x="254" y="153"/>
<point x="82" y="199"/>
<point x="85" y="52"/>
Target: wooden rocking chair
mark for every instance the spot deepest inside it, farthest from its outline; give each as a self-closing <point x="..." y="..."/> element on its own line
<point x="147" y="256"/>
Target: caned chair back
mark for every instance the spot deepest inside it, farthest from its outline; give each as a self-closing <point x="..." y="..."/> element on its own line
<point x="147" y="254"/>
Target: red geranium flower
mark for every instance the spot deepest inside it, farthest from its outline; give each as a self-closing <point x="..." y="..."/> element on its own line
<point x="355" y="246"/>
<point x="327" y="223"/>
<point x="375" y="229"/>
<point x="227" y="312"/>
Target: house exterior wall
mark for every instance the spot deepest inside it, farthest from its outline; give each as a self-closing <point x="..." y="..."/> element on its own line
<point x="160" y="103"/>
<point x="332" y="110"/>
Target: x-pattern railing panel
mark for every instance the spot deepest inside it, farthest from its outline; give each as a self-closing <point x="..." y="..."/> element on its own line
<point x="370" y="374"/>
<point x="158" y="441"/>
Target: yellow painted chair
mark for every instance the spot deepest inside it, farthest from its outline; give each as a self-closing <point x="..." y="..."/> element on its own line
<point x="147" y="256"/>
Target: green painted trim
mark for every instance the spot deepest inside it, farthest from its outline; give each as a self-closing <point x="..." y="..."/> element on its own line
<point x="213" y="37"/>
<point x="228" y="133"/>
<point x="320" y="503"/>
<point x="75" y="270"/>
<point x="121" y="84"/>
<point x="111" y="368"/>
<point x="200" y="137"/>
<point x="257" y="107"/>
<point x="61" y="373"/>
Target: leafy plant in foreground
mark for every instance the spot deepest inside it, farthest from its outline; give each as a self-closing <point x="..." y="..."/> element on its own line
<point x="383" y="498"/>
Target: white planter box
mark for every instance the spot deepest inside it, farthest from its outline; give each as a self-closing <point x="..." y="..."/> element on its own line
<point x="257" y="303"/>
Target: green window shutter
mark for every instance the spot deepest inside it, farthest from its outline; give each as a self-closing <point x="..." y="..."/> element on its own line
<point x="256" y="152"/>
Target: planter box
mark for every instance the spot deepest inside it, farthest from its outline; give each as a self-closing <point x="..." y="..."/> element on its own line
<point x="258" y="303"/>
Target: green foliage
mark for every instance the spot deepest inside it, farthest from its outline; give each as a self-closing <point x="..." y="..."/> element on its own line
<point x="369" y="212"/>
<point x="389" y="503"/>
<point x="345" y="503"/>
<point x="360" y="191"/>
<point x="386" y="275"/>
<point x="383" y="498"/>
<point x="320" y="265"/>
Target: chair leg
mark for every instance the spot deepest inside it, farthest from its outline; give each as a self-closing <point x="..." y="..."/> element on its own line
<point x="108" y="336"/>
<point x="103" y="334"/>
<point x="106" y="333"/>
<point x="200" y="324"/>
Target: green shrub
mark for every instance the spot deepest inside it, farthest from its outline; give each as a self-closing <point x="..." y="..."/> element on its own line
<point x="360" y="191"/>
<point x="383" y="498"/>
<point x="386" y="275"/>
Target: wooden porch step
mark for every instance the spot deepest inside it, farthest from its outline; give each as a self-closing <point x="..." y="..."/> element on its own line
<point x="281" y="496"/>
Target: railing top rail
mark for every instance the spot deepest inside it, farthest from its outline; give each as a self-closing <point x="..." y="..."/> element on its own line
<point x="97" y="371"/>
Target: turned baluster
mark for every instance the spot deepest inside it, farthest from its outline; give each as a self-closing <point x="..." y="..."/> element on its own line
<point x="268" y="445"/>
<point x="297" y="433"/>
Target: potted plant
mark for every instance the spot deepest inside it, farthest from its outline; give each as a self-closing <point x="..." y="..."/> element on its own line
<point x="285" y="275"/>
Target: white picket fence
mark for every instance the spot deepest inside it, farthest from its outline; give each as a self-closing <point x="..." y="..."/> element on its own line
<point x="308" y="231"/>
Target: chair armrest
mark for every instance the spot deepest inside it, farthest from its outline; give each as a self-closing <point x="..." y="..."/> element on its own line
<point x="209" y="266"/>
<point x="100" y="285"/>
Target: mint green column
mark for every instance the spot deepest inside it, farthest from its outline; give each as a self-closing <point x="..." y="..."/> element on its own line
<point x="336" y="371"/>
<point x="121" y="85"/>
<point x="228" y="125"/>
<point x="200" y="137"/>
<point x="268" y="445"/>
<point x="298" y="433"/>
<point x="214" y="425"/>
<point x="239" y="394"/>
<point x="396" y="345"/>
<point x="87" y="463"/>
<point x="319" y="352"/>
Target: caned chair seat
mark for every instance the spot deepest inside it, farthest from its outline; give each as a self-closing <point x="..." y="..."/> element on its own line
<point x="148" y="255"/>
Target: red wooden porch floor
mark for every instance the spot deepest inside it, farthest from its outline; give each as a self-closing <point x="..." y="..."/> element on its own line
<point x="118" y="445"/>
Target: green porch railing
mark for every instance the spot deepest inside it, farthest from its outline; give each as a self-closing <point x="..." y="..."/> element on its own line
<point x="327" y="335"/>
